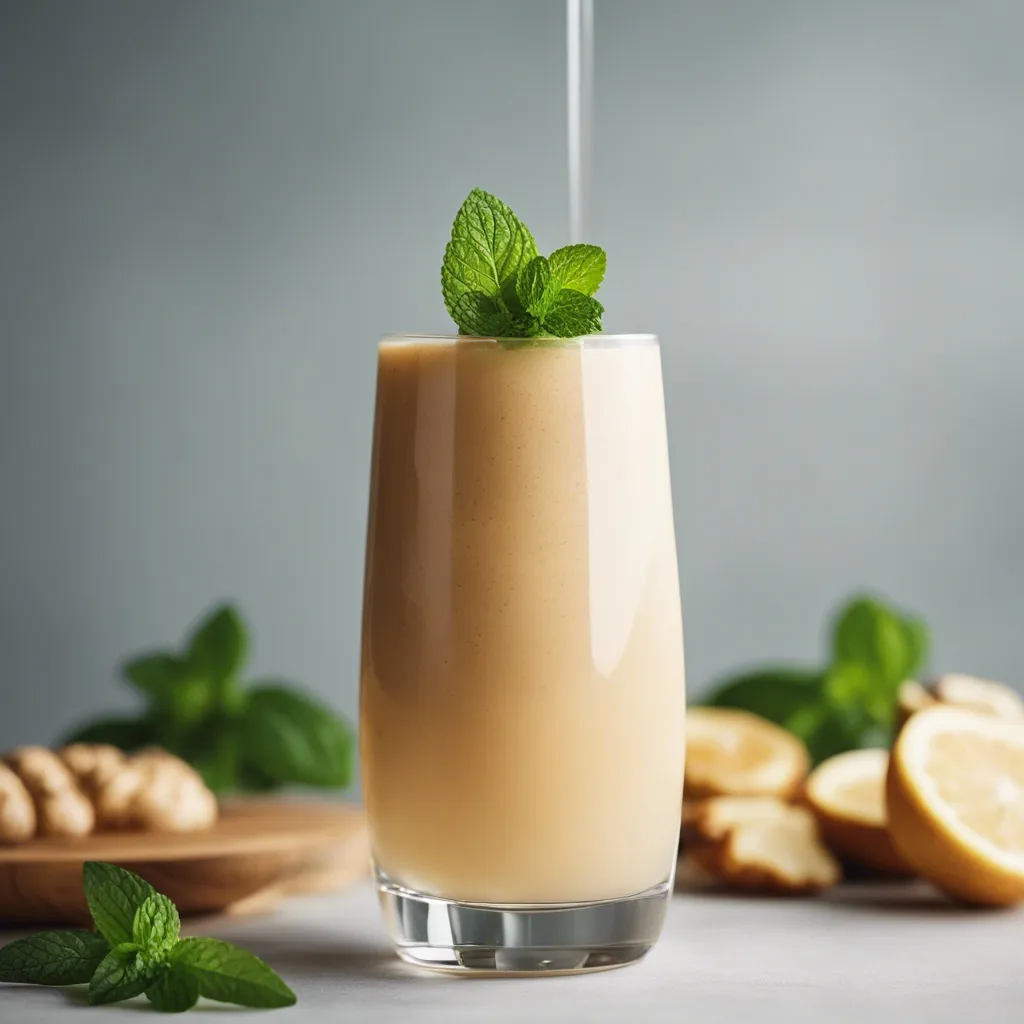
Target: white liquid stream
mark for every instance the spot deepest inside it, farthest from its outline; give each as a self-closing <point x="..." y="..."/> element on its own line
<point x="580" y="97"/>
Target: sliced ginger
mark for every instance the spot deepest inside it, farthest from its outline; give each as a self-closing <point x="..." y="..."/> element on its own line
<point x="955" y="795"/>
<point x="74" y="791"/>
<point x="736" y="753"/>
<point x="713" y="820"/>
<point x="760" y="844"/>
<point x="846" y="793"/>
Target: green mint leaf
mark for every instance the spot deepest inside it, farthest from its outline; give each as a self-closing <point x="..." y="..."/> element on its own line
<point x="53" y="958"/>
<point x="125" y="733"/>
<point x="155" y="675"/>
<point x="231" y="975"/>
<point x="488" y="246"/>
<point x="180" y="694"/>
<point x="867" y="632"/>
<point x="580" y="267"/>
<point x="156" y="926"/>
<point x="536" y="287"/>
<point x="918" y="642"/>
<point x="114" y="895"/>
<point x="218" y="648"/>
<point x="855" y="685"/>
<point x="572" y="314"/>
<point x="775" y="693"/>
<point x="293" y="738"/>
<point x="478" y="314"/>
<point x="118" y="978"/>
<point x="175" y="990"/>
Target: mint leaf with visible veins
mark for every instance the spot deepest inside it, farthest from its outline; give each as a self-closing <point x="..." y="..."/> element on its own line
<point x="231" y="975"/>
<point x="488" y="246"/>
<point x="53" y="958"/>
<point x="537" y="288"/>
<point x="174" y="991"/>
<point x="156" y="927"/>
<point x="496" y="285"/>
<point x="480" y="315"/>
<point x="579" y="267"/>
<point x="114" y="895"/>
<point x="573" y="314"/>
<point x="119" y="977"/>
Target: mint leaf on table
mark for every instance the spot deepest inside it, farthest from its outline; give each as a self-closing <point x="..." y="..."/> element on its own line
<point x="175" y="990"/>
<point x="147" y="955"/>
<point x="294" y="738"/>
<point x="572" y="314"/>
<point x="119" y="976"/>
<point x="53" y="958"/>
<point x="114" y="896"/>
<point x="156" y="926"/>
<point x="579" y="267"/>
<point x="231" y="975"/>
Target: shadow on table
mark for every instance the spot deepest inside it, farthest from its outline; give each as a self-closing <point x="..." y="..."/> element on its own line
<point x="298" y="955"/>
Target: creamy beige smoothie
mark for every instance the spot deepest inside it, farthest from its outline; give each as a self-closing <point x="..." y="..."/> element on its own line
<point x="522" y="710"/>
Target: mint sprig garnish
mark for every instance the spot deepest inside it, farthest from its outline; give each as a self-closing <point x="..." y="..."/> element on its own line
<point x="495" y="284"/>
<point x="237" y="733"/>
<point x="138" y="950"/>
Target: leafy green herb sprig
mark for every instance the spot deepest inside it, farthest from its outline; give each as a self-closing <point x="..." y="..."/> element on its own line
<point x="249" y="737"/>
<point x="137" y="949"/>
<point x="849" y="702"/>
<point x="497" y="285"/>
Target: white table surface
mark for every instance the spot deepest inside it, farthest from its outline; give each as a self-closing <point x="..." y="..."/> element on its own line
<point x="864" y="954"/>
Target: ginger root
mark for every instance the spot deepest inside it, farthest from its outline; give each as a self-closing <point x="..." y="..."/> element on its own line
<point x="87" y="787"/>
<point x="63" y="811"/>
<point x="760" y="844"/>
<point x="17" y="811"/>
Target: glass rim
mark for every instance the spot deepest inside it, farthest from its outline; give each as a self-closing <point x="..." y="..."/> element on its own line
<point x="583" y="341"/>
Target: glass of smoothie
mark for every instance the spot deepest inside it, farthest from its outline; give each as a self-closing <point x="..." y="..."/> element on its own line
<point x="522" y="683"/>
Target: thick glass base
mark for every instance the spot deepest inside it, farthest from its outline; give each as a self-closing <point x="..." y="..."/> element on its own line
<point x="486" y="938"/>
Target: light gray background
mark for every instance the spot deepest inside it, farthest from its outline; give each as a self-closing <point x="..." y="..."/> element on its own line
<point x="209" y="211"/>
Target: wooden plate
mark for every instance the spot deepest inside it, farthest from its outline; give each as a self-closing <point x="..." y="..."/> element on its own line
<point x="258" y="852"/>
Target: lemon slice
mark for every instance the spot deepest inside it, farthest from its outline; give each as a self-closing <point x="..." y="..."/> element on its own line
<point x="847" y="795"/>
<point x="955" y="795"/>
<point x="736" y="753"/>
<point x="984" y="695"/>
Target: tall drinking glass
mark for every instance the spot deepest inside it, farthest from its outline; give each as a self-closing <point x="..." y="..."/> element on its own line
<point x="522" y="696"/>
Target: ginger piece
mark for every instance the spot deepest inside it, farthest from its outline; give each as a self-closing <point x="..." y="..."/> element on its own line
<point x="92" y="764"/>
<point x="158" y="792"/>
<point x="712" y="820"/>
<point x="773" y="856"/>
<point x="760" y="844"/>
<point x="17" y="811"/>
<point x="62" y="809"/>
